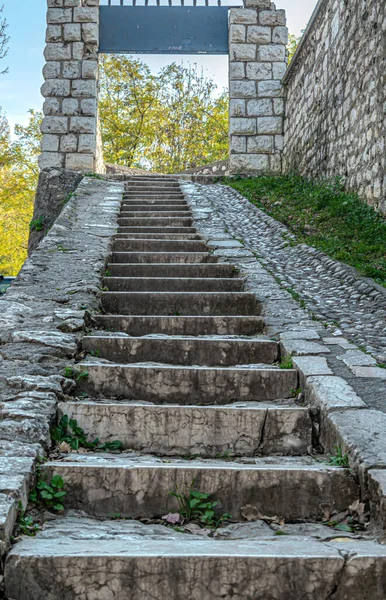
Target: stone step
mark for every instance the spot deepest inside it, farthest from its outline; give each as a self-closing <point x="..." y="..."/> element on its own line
<point x="151" y="202"/>
<point x="76" y="553"/>
<point x="199" y="270"/>
<point x="192" y="325"/>
<point x="180" y="303"/>
<point x="155" y="222"/>
<point x="162" y="230"/>
<point x="205" y="431"/>
<point x="144" y="196"/>
<point x="153" y="187"/>
<point x="172" y="284"/>
<point x="169" y="384"/>
<point x="163" y="257"/>
<point x="152" y="207"/>
<point x="131" y="214"/>
<point x="139" y="486"/>
<point x="182" y="350"/>
<point x="158" y="236"/>
<point x="154" y="193"/>
<point x="134" y="245"/>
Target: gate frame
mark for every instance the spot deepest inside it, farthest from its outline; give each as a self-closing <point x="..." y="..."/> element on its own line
<point x="257" y="62"/>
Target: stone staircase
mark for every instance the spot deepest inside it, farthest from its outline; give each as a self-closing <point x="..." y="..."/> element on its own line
<point x="180" y="372"/>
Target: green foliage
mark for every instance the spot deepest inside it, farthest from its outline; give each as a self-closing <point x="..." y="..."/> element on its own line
<point x="75" y="373"/>
<point x="339" y="459"/>
<point x="166" y="122"/>
<point x="37" y="224"/>
<point x="27" y="525"/>
<point x="197" y="506"/>
<point x="322" y="215"/>
<point x="287" y="363"/>
<point x="69" y="431"/>
<point x="49" y="495"/>
<point x="293" y="43"/>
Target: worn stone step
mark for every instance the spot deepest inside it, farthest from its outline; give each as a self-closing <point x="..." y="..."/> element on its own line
<point x="180" y="303"/>
<point x="163" y="230"/>
<point x="152" y="207"/>
<point x="160" y="192"/>
<point x="163" y="257"/>
<point x="182" y="351"/>
<point x="190" y="325"/>
<point x="158" y="236"/>
<point x="168" y="384"/>
<point x="151" y="561"/>
<point x="139" y="486"/>
<point x="172" y="284"/>
<point x="151" y="202"/>
<point x="206" y="431"/>
<point x="134" y="245"/>
<point x="131" y="214"/>
<point x="199" y="270"/>
<point x="155" y="222"/>
<point x="153" y="187"/>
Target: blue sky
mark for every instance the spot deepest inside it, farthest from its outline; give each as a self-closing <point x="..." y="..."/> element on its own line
<point x="20" y="89"/>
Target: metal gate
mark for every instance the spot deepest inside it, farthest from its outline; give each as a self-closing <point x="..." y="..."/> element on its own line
<point x="164" y="27"/>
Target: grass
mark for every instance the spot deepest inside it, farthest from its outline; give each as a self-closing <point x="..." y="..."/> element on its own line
<point x="322" y="215"/>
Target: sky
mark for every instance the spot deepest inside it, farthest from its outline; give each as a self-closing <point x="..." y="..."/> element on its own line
<point x="20" y="88"/>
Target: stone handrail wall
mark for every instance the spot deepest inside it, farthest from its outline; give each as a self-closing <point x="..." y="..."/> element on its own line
<point x="336" y="98"/>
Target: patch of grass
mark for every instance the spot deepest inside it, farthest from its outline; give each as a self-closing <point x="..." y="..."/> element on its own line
<point x="197" y="506"/>
<point x="339" y="459"/>
<point x="322" y="215"/>
<point x="69" y="431"/>
<point x="287" y="363"/>
<point x="37" y="224"/>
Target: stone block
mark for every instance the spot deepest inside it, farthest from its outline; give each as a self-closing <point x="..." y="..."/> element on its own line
<point x="59" y="15"/>
<point x="275" y="164"/>
<point x="72" y="32"/>
<point x="80" y="162"/>
<point x="89" y="69"/>
<point x="78" y="51"/>
<point x="86" y="14"/>
<point x="69" y="143"/>
<point x="238" y="144"/>
<point x="237" y="33"/>
<point x="57" y="51"/>
<point x="271" y="53"/>
<point x="259" y="108"/>
<point x="55" y="87"/>
<point x="51" y="106"/>
<point x="272" y="17"/>
<point x="280" y="35"/>
<point x="83" y="125"/>
<point x="242" y="52"/>
<point x="70" y="107"/>
<point x="257" y="4"/>
<point x="90" y="33"/>
<point x="242" y="89"/>
<point x="270" y="89"/>
<point x="278" y="106"/>
<point x="269" y="125"/>
<point x="54" y="33"/>
<point x="54" y="3"/>
<point x="279" y="142"/>
<point x="260" y="144"/>
<point x="242" y="15"/>
<point x="257" y="34"/>
<point x="242" y="126"/>
<point x="278" y="70"/>
<point x="72" y="69"/>
<point x="249" y="163"/>
<point x="88" y="107"/>
<point x="54" y="125"/>
<point x="237" y="108"/>
<point x="51" y="69"/>
<point x="51" y="160"/>
<point x="87" y="143"/>
<point x="84" y="88"/>
<point x="50" y="143"/>
<point x="259" y="71"/>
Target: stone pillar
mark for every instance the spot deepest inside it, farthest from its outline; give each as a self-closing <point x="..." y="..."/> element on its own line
<point x="257" y="53"/>
<point x="70" y="123"/>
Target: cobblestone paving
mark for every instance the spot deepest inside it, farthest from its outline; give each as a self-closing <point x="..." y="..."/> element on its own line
<point x="331" y="291"/>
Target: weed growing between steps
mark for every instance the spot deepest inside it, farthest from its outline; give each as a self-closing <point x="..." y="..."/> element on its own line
<point x="68" y="433"/>
<point x="322" y="215"/>
<point x="196" y="507"/>
<point x="339" y="459"/>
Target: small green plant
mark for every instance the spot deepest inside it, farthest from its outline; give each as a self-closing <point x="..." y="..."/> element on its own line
<point x="287" y="363"/>
<point x="339" y="459"/>
<point x="197" y="506"/>
<point x="50" y="494"/>
<point x="37" y="224"/>
<point x="95" y="353"/>
<point x="76" y="374"/>
<point x="381" y="365"/>
<point x="69" y="373"/>
<point x="107" y="273"/>
<point x="280" y="532"/>
<point x="26" y="524"/>
<point x="224" y="455"/>
<point x="69" y="431"/>
<point x="295" y="392"/>
<point x="93" y="175"/>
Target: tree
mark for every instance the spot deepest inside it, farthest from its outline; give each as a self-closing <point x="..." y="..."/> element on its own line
<point x="4" y="39"/>
<point x="166" y="122"/>
<point x="293" y="43"/>
<point x="18" y="179"/>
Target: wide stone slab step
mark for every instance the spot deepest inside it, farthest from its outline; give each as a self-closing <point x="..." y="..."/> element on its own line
<point x="173" y="284"/>
<point x="180" y="303"/>
<point x="175" y="325"/>
<point x="145" y="207"/>
<point x="139" y="562"/>
<point x="137" y="486"/>
<point x="168" y="384"/>
<point x="182" y="351"/>
<point x="200" y="270"/>
<point x="150" y="202"/>
<point x="164" y="230"/>
<point x="206" y="431"/>
<point x="147" y="192"/>
<point x="163" y="257"/>
<point x="135" y="245"/>
<point x="156" y="222"/>
<point x="158" y="236"/>
<point x="154" y="214"/>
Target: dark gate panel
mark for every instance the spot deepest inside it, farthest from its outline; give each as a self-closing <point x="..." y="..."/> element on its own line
<point x="164" y="29"/>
